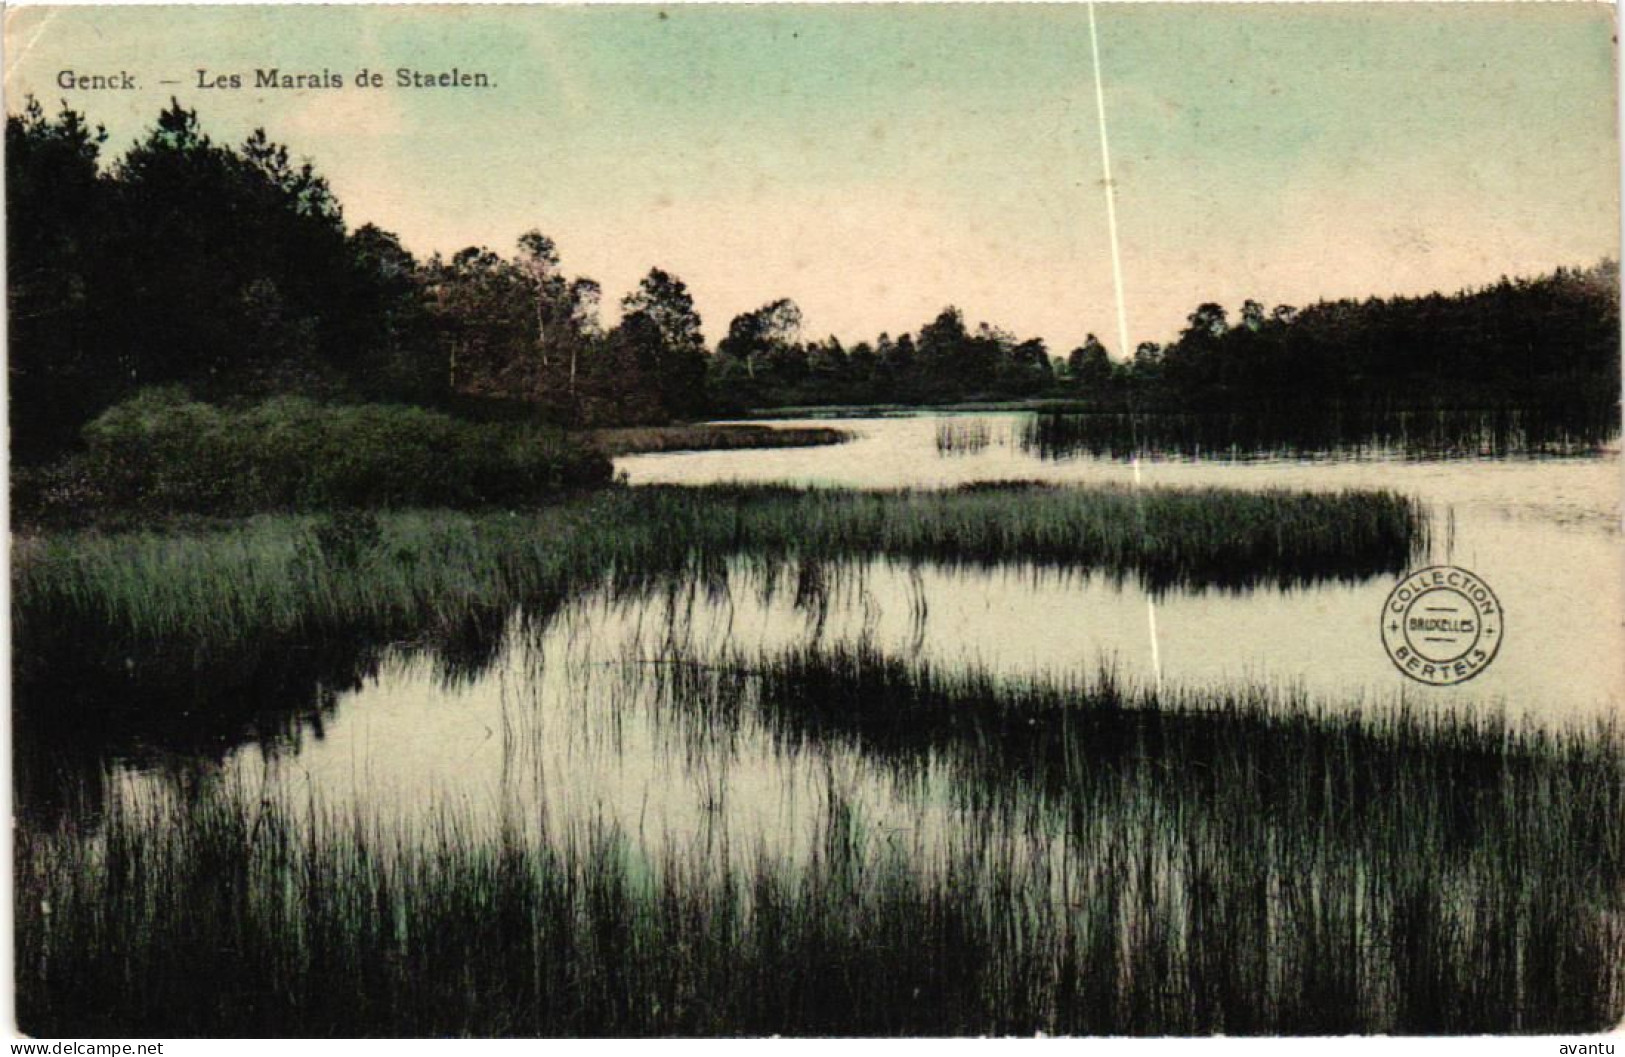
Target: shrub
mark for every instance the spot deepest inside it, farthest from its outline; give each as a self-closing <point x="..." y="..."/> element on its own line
<point x="163" y="452"/>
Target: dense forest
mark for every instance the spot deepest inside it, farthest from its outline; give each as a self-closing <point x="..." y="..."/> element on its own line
<point x="230" y="271"/>
<point x="1544" y="342"/>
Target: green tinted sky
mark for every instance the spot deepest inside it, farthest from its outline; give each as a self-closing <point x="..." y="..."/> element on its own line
<point x="878" y="162"/>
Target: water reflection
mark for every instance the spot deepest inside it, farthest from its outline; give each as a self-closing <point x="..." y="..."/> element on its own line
<point x="584" y="711"/>
<point x="441" y="709"/>
<point x="1324" y="432"/>
<point x="900" y="452"/>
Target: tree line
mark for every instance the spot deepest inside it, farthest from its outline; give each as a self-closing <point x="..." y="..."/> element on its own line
<point x="1546" y="342"/>
<point x="230" y="270"/>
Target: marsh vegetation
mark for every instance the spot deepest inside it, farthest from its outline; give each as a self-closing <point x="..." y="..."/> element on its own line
<point x="1330" y="431"/>
<point x="389" y="575"/>
<point x="1114" y="861"/>
<point x="728" y="436"/>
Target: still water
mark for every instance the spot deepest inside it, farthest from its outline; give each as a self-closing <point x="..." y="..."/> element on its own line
<point x="1544" y="533"/>
<point x="573" y="720"/>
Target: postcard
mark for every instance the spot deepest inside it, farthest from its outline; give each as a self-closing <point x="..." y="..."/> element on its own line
<point x="815" y="520"/>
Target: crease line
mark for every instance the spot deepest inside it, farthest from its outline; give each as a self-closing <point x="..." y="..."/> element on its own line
<point x="1122" y="317"/>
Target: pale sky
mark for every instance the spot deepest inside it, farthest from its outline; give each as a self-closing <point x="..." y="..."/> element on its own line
<point x="876" y="163"/>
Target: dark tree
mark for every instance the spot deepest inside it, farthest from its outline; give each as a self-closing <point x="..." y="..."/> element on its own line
<point x="57" y="211"/>
<point x="485" y="321"/>
<point x="400" y="360"/>
<point x="757" y="337"/>
<point x="660" y="325"/>
<point x="236" y="264"/>
<point x="1089" y="367"/>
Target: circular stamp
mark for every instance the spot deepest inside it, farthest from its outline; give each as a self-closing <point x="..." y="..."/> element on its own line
<point x="1442" y="625"/>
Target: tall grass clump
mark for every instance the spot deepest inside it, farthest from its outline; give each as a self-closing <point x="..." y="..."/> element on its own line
<point x="1166" y="538"/>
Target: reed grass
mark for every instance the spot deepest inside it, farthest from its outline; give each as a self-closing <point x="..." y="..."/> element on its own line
<point x="1124" y="864"/>
<point x="1327" y="431"/>
<point x="1277" y="863"/>
<point x="232" y="918"/>
<point x="80" y="595"/>
<point x="963" y="436"/>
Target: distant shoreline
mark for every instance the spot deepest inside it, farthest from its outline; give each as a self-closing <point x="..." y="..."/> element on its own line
<point x="706" y="436"/>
